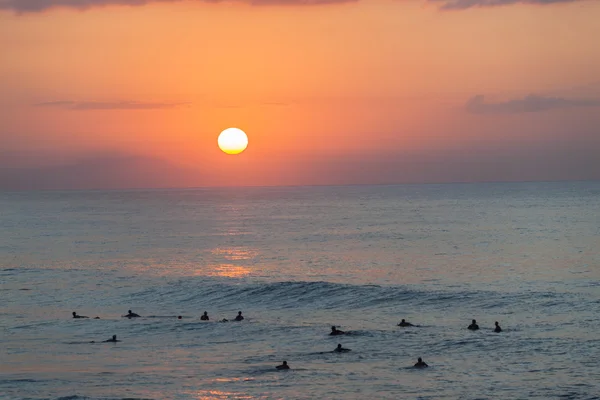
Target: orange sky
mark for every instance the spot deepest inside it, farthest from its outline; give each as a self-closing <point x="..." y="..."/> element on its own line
<point x="321" y="90"/>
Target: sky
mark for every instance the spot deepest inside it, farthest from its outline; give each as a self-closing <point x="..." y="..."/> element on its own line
<point x="133" y="93"/>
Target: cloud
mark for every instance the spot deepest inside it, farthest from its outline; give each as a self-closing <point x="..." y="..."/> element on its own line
<point x="276" y="104"/>
<point x="30" y="6"/>
<point x="25" y="6"/>
<point x="530" y="103"/>
<point x="465" y="4"/>
<point x="101" y="105"/>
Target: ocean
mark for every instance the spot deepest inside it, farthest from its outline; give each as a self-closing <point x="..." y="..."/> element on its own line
<point x="295" y="261"/>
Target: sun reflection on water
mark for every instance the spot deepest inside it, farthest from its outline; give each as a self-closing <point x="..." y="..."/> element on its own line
<point x="230" y="271"/>
<point x="235" y="253"/>
<point x="218" y="394"/>
<point x="218" y="261"/>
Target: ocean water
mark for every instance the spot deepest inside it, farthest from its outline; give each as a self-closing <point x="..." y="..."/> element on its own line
<point x="296" y="261"/>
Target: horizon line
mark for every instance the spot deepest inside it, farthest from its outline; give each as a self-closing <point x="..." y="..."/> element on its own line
<point x="191" y="188"/>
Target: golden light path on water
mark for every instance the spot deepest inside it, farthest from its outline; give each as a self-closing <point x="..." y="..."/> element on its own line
<point x="229" y="271"/>
<point x="218" y="395"/>
<point x="227" y="262"/>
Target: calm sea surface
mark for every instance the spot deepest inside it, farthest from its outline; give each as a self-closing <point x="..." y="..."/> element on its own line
<point x="296" y="261"/>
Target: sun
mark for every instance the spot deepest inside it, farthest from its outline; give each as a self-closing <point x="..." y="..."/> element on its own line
<point x="233" y="141"/>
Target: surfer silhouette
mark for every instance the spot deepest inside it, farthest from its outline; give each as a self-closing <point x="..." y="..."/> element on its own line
<point x="335" y="331"/>
<point x="497" y="329"/>
<point x="404" y="323"/>
<point x="78" y="316"/>
<point x="473" y="326"/>
<point x="239" y="317"/>
<point x="130" y="315"/>
<point x="421" y="364"/>
<point x="340" y="349"/>
<point x="204" y="316"/>
<point x="284" y="365"/>
<point x="112" y="340"/>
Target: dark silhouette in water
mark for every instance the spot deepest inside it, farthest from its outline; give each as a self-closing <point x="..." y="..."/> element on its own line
<point x="96" y="317"/>
<point x="204" y="316"/>
<point x="179" y="317"/>
<point x="497" y="329"/>
<point x="335" y="331"/>
<point x="340" y="349"/>
<point x="130" y="315"/>
<point x="404" y="323"/>
<point x="283" y="366"/>
<point x="113" y="339"/>
<point x="224" y="320"/>
<point x="421" y="364"/>
<point x="79" y="316"/>
<point x="473" y="326"/>
<point x="239" y="317"/>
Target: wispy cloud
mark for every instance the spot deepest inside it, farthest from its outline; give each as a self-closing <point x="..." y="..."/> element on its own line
<point x="30" y="6"/>
<point x="27" y="6"/>
<point x="108" y="105"/>
<point x="465" y="4"/>
<point x="530" y="103"/>
<point x="244" y="104"/>
<point x="276" y="104"/>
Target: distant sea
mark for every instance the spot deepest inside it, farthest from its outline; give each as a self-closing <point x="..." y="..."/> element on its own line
<point x="295" y="261"/>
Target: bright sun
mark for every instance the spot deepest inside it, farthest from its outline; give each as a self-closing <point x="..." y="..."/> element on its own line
<point x="233" y="141"/>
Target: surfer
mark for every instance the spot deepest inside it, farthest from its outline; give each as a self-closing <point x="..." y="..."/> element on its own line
<point x="335" y="331"/>
<point x="204" y="316"/>
<point x="78" y="316"/>
<point x="112" y="340"/>
<point x="239" y="317"/>
<point x="130" y="315"/>
<point x="421" y="364"/>
<point x="497" y="329"/>
<point x="340" y="349"/>
<point x="283" y="366"/>
<point x="404" y="323"/>
<point x="473" y="326"/>
<point x="179" y="317"/>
